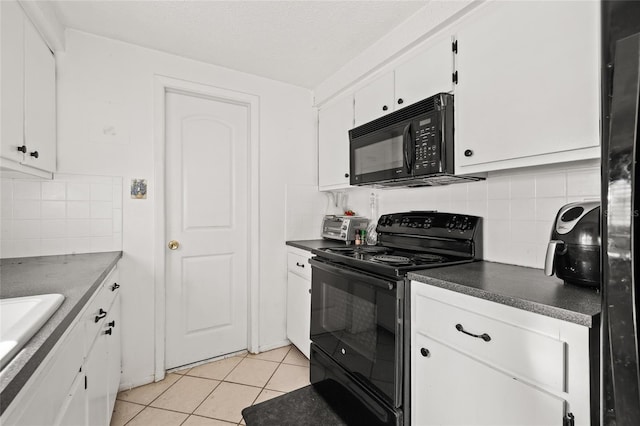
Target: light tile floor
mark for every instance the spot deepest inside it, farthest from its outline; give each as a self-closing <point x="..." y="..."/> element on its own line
<point x="215" y="393"/>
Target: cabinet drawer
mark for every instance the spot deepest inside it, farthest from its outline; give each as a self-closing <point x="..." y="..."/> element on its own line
<point x="98" y="307"/>
<point x="516" y="350"/>
<point x="299" y="265"/>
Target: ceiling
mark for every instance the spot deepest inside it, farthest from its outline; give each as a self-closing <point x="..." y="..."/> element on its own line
<point x="297" y="42"/>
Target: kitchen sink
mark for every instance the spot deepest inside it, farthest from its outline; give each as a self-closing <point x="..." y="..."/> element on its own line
<point x="21" y="318"/>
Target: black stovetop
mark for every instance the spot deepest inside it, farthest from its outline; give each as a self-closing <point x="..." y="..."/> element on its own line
<point x="384" y="260"/>
<point x="412" y="241"/>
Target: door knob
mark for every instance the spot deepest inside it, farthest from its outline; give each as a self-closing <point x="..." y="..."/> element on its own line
<point x="173" y="244"/>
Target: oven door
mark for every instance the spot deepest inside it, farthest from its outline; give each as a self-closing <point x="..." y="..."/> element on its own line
<point x="357" y="319"/>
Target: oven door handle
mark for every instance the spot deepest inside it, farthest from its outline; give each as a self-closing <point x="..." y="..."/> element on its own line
<point x="359" y="275"/>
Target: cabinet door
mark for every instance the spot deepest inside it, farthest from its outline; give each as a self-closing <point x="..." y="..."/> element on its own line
<point x="114" y="352"/>
<point x="39" y="101"/>
<point x="11" y="80"/>
<point x="299" y="312"/>
<point x="45" y="395"/>
<point x="374" y="100"/>
<point x="528" y="81"/>
<point x="426" y="74"/>
<point x="334" y="123"/>
<point x="450" y="388"/>
<point x="74" y="408"/>
<point x="97" y="372"/>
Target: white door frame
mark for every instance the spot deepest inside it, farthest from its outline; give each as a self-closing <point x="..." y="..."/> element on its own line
<point x="161" y="85"/>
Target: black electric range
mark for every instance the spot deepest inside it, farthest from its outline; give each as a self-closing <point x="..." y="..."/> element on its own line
<point x="359" y="306"/>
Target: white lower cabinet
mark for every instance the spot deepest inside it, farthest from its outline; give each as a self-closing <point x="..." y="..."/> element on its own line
<point x="102" y="368"/>
<point x="299" y="299"/>
<point x="114" y="353"/>
<point x="476" y="362"/>
<point x="462" y="390"/>
<point x="77" y="382"/>
<point x="74" y="412"/>
<point x="97" y="375"/>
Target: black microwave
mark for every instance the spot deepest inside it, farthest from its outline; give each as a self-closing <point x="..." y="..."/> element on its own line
<point x="409" y="147"/>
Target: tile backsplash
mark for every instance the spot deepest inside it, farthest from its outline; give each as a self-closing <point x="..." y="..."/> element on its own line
<point x="518" y="206"/>
<point x="70" y="214"/>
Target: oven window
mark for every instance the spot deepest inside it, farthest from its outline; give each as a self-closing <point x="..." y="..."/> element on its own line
<point x="351" y="319"/>
<point x="380" y="156"/>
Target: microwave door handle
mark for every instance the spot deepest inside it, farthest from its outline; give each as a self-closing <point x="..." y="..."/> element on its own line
<point x="406" y="135"/>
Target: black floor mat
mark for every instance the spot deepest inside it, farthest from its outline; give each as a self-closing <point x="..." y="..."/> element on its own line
<point x="303" y="406"/>
<point x="326" y="403"/>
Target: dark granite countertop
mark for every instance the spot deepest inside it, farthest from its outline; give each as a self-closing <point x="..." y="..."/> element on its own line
<point x="524" y="288"/>
<point x="315" y="244"/>
<point x="76" y="277"/>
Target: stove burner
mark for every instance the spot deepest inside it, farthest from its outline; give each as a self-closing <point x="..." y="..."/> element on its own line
<point x="432" y="258"/>
<point x="372" y="249"/>
<point x="358" y="249"/>
<point x="342" y="250"/>
<point x="395" y="260"/>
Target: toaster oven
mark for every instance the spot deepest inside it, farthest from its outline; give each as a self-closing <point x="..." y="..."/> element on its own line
<point x="343" y="228"/>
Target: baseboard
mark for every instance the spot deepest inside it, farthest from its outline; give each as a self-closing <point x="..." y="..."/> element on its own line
<point x="271" y="346"/>
<point x="135" y="383"/>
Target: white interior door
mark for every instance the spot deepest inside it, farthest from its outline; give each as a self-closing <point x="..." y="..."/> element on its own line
<point x="206" y="213"/>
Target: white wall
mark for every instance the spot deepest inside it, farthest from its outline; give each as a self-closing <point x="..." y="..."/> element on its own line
<point x="106" y="84"/>
<point x="518" y="206"/>
<point x="71" y="214"/>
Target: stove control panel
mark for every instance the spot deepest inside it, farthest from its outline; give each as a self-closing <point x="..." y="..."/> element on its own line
<point x="429" y="224"/>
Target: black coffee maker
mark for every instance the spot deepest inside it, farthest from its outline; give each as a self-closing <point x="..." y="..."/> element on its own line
<point x="573" y="253"/>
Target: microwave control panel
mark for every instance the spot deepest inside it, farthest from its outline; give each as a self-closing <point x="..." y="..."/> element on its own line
<point x="427" y="146"/>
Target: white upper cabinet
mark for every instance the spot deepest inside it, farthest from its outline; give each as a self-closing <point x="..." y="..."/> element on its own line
<point x="39" y="101"/>
<point x="11" y="80"/>
<point x="334" y="122"/>
<point x="424" y="74"/>
<point x="528" y="90"/>
<point x="374" y="100"/>
<point x="28" y="96"/>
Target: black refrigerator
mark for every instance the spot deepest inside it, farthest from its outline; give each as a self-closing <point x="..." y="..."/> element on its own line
<point x="620" y="331"/>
